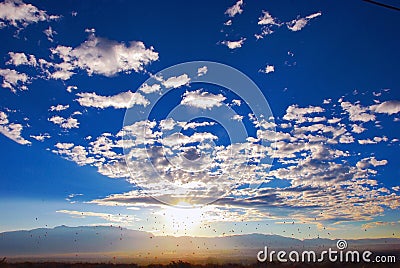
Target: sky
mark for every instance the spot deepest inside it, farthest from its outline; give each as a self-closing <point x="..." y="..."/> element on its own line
<point x="203" y="119"/>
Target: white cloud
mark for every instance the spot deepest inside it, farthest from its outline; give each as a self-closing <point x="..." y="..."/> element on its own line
<point x="293" y="112"/>
<point x="237" y="117"/>
<point x="49" y="32"/>
<point x="14" y="80"/>
<point x="202" y="99"/>
<point x="268" y="69"/>
<point x="357" y="112"/>
<point x="105" y="57"/>
<point x="228" y="23"/>
<point x="66" y="123"/>
<point x="77" y="154"/>
<point x="19" y="58"/>
<point x="375" y="140"/>
<point x="236" y="102"/>
<point x="41" y="137"/>
<point x="18" y="14"/>
<point x="146" y="89"/>
<point x="11" y="130"/>
<point x="387" y="107"/>
<point x="120" y="218"/>
<point x="235" y="9"/>
<point x="267" y="19"/>
<point x="234" y="44"/>
<point x="70" y="88"/>
<point x="202" y="71"/>
<point x="176" y="81"/>
<point x="357" y="128"/>
<point x="300" y="23"/>
<point x="58" y="107"/>
<point x="122" y="100"/>
<point x="370" y="161"/>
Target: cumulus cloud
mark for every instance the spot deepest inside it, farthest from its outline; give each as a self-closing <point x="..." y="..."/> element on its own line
<point x="202" y="71"/>
<point x="234" y="44"/>
<point x="202" y="99"/>
<point x="176" y="81"/>
<point x="58" y="107"/>
<point x="49" y="32"/>
<point x="370" y="161"/>
<point x="357" y="113"/>
<point x="20" y="58"/>
<point x="294" y="112"/>
<point x="14" y="80"/>
<point x="146" y="89"/>
<point x="19" y="14"/>
<point x="11" y="130"/>
<point x="268" y="69"/>
<point x="267" y="19"/>
<point x="70" y="88"/>
<point x="120" y="101"/>
<point x="66" y="123"/>
<point x="41" y="137"/>
<point x="102" y="56"/>
<point x="235" y="9"/>
<point x="299" y="23"/>
<point x="387" y="107"/>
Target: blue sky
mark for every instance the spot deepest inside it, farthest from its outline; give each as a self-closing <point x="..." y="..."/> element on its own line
<point x="77" y="76"/>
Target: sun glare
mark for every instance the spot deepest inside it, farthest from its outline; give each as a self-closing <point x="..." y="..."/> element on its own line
<point x="182" y="219"/>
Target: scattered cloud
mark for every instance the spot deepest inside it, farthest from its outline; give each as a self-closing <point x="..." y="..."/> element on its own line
<point x="71" y="88"/>
<point x="176" y="81"/>
<point x="41" y="137"/>
<point x="102" y="56"/>
<point x="235" y="9"/>
<point x="202" y="99"/>
<point x="11" y="130"/>
<point x="268" y="69"/>
<point x="267" y="19"/>
<point x="66" y="123"/>
<point x="146" y="89"/>
<point x="202" y="71"/>
<point x="387" y="107"/>
<point x="234" y="44"/>
<point x="49" y="32"/>
<point x="19" y="58"/>
<point x="228" y="23"/>
<point x="357" y="113"/>
<point x="299" y="23"/>
<point x="18" y="14"/>
<point x="120" y="101"/>
<point x="14" y="80"/>
<point x="58" y="107"/>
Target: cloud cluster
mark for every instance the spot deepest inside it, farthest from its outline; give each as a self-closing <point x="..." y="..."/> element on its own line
<point x="102" y="56"/>
<point x="66" y="123"/>
<point x="234" y="44"/>
<point x="235" y="9"/>
<point x="122" y="100"/>
<point x="14" y="80"/>
<point x="19" y="14"/>
<point x="202" y="99"/>
<point x="325" y="182"/>
<point x="299" y="23"/>
<point x="94" y="56"/>
<point x="11" y="130"/>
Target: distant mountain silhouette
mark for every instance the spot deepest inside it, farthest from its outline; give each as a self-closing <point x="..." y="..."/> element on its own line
<point x="66" y="241"/>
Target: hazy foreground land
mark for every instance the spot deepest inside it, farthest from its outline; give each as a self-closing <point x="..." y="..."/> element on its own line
<point x="119" y="247"/>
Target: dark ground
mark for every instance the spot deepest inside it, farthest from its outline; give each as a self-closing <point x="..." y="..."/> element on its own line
<point x="181" y="264"/>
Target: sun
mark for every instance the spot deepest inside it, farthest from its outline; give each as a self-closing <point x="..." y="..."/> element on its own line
<point x="181" y="219"/>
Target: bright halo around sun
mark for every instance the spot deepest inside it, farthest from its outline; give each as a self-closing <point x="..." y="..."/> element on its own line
<point x="182" y="219"/>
